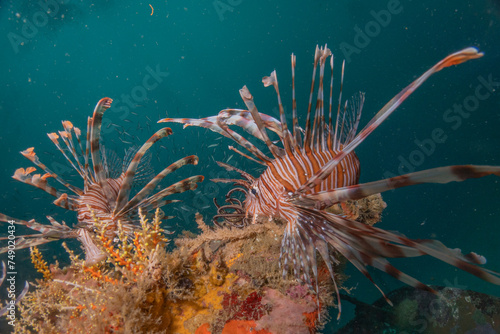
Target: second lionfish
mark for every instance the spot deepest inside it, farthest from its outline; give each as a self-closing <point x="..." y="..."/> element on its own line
<point x="316" y="167"/>
<point x="103" y="196"/>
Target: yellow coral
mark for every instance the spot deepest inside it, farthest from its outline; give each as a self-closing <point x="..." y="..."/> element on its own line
<point x="130" y="256"/>
<point x="39" y="263"/>
<point x="233" y="260"/>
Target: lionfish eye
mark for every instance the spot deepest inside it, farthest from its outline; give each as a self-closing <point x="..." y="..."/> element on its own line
<point x="254" y="191"/>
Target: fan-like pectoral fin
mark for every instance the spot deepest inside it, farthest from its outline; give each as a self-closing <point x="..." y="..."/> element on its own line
<point x="148" y="188"/>
<point x="22" y="175"/>
<point x="442" y="175"/>
<point x="158" y="200"/>
<point x="244" y="119"/>
<point x="126" y="185"/>
<point x="248" y="99"/>
<point x="95" y="134"/>
<point x="211" y="124"/>
<point x="47" y="234"/>
<point x="363" y="246"/>
<point x="32" y="224"/>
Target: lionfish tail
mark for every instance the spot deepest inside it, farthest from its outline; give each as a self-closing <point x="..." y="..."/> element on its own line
<point x="363" y="246"/>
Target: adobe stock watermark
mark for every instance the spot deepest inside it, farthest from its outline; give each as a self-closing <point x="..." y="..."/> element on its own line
<point x="372" y="29"/>
<point x="138" y="94"/>
<point x="453" y="116"/>
<point x="48" y="10"/>
<point x="223" y="6"/>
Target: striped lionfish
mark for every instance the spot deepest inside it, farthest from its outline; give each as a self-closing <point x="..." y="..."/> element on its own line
<point x="316" y="168"/>
<point x="102" y="197"/>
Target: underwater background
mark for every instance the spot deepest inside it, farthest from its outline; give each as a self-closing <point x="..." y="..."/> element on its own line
<point x="203" y="52"/>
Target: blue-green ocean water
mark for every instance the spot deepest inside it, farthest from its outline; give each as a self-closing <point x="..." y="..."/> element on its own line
<point x="203" y="52"/>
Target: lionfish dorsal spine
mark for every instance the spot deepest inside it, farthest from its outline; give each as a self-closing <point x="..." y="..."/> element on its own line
<point x="307" y="135"/>
<point x="67" y="138"/>
<point x="336" y="144"/>
<point x="453" y="59"/>
<point x="296" y="129"/>
<point x="318" y="124"/>
<point x="63" y="135"/>
<point x="287" y="142"/>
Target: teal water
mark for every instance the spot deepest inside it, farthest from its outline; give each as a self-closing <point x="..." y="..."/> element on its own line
<point x="204" y="52"/>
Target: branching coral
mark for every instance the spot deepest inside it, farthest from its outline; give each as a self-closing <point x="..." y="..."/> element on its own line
<point x="131" y="257"/>
<point x="104" y="298"/>
<point x="219" y="281"/>
<point x="367" y="210"/>
<point x="39" y="263"/>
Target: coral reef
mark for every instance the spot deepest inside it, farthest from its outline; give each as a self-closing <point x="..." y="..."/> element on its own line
<point x="367" y="210"/>
<point x="222" y="280"/>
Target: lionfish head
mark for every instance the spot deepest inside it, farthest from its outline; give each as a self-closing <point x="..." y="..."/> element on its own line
<point x="253" y="203"/>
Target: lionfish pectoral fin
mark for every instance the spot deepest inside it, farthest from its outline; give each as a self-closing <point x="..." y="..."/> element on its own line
<point x="95" y="134"/>
<point x="247" y="98"/>
<point x="212" y="124"/>
<point x="158" y="199"/>
<point x="322" y="248"/>
<point x="313" y="231"/>
<point x="230" y="168"/>
<point x="453" y="59"/>
<point x="66" y="202"/>
<point x="148" y="188"/>
<point x="47" y="234"/>
<point x="365" y="245"/>
<point x="441" y="175"/>
<point x="22" y="243"/>
<point x="32" y="224"/>
<point x="126" y="186"/>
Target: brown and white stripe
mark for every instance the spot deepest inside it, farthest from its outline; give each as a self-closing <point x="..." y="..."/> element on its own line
<point x="103" y="197"/>
<point x="311" y="172"/>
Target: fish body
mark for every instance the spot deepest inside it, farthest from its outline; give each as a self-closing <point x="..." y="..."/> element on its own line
<point x="315" y="167"/>
<point x="270" y="194"/>
<point x="103" y="196"/>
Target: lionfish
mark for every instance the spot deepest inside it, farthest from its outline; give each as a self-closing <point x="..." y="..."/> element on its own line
<point x="316" y="167"/>
<point x="102" y="197"/>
